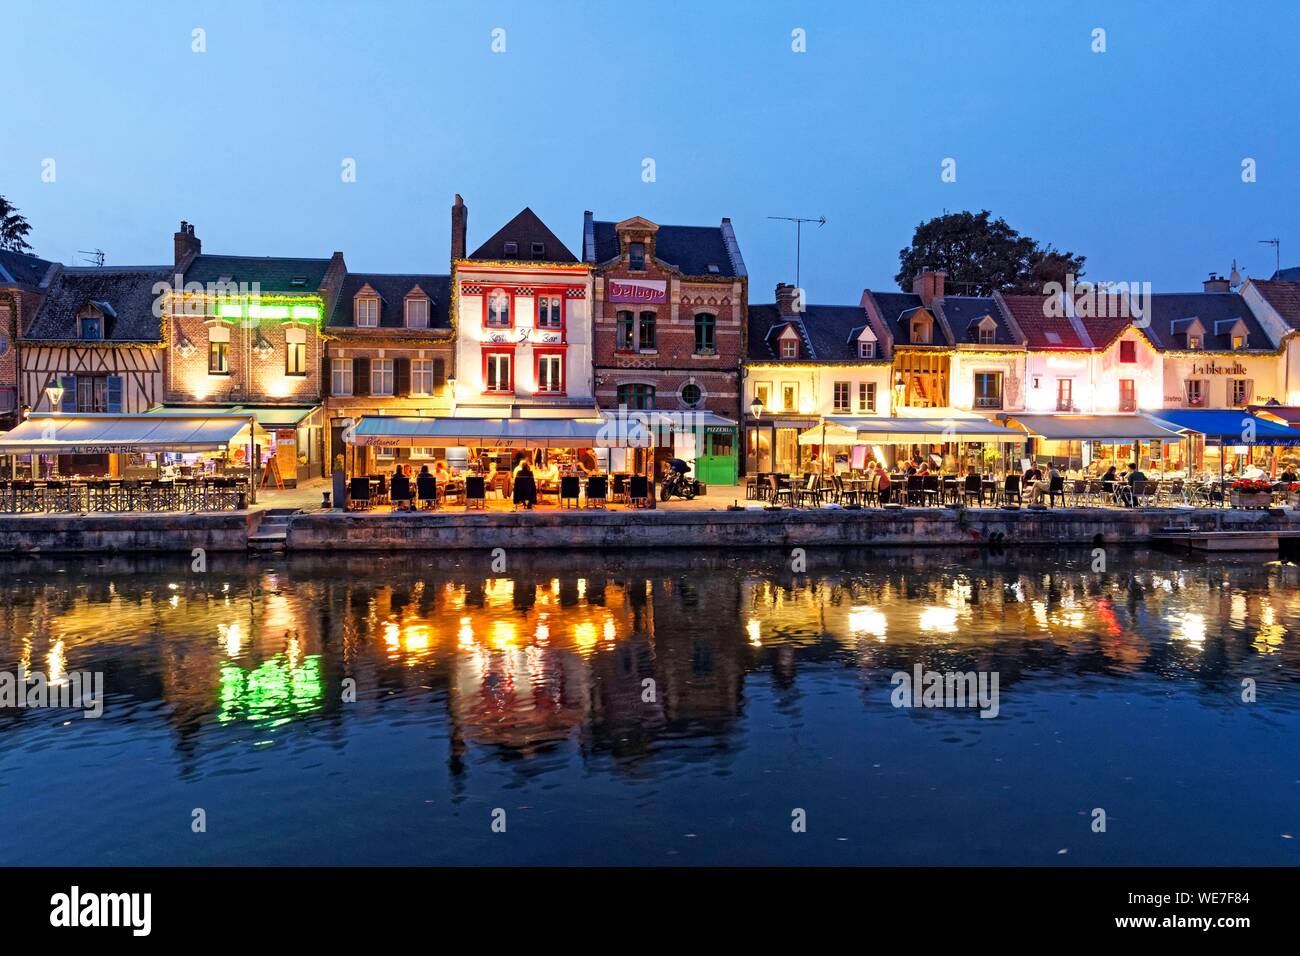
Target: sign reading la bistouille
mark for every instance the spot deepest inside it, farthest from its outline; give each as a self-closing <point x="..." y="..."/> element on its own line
<point x="641" y="291"/>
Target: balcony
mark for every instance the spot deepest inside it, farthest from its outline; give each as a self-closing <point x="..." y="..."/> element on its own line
<point x="988" y="401"/>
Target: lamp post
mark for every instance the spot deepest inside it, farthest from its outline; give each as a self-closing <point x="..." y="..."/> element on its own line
<point x="55" y="395"/>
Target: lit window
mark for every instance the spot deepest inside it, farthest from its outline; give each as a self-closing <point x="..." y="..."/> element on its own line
<point x="550" y="373"/>
<point x="367" y="311"/>
<point x="789" y="396"/>
<point x="789" y="348"/>
<point x="1127" y="395"/>
<point x="1128" y="352"/>
<point x="988" y="389"/>
<point x="1240" y="390"/>
<point x="987" y="334"/>
<point x="1064" y="394"/>
<point x="381" y="376"/>
<point x="1197" y="393"/>
<point x="842" y="398"/>
<point x="1194" y="342"/>
<point x="295" y="352"/>
<point x="219" y="350"/>
<point x="1238" y="342"/>
<point x="341" y="376"/>
<point x="421" y="376"/>
<point x="417" y="313"/>
<point x="866" y="398"/>
<point x="498" y="377"/>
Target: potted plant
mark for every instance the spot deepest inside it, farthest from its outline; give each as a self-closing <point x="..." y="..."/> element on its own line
<point x="1293" y="494"/>
<point x="1251" y="493"/>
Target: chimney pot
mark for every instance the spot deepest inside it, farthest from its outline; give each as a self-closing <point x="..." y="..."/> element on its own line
<point x="185" y="246"/>
<point x="459" y="225"/>
<point x="928" y="284"/>
<point x="1216" y="283"/>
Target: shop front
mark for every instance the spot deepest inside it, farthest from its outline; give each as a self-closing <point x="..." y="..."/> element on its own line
<point x="293" y="436"/>
<point x="1092" y="443"/>
<point x="772" y="445"/>
<point x="1233" y="444"/>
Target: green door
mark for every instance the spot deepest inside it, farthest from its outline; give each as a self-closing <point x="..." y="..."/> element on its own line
<point x="716" y="465"/>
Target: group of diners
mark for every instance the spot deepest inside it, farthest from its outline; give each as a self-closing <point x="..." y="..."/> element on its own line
<point x="574" y="480"/>
<point x="916" y="482"/>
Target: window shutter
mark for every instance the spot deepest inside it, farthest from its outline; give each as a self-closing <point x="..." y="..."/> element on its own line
<point x="69" y="402"/>
<point x="439" y="373"/>
<point x="361" y="376"/>
<point x="115" y="394"/>
<point x="402" y="377"/>
<point x="326" y="376"/>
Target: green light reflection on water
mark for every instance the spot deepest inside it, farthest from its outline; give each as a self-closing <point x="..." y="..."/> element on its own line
<point x="272" y="694"/>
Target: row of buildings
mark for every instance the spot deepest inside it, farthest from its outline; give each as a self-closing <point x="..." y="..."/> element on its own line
<point x="647" y="317"/>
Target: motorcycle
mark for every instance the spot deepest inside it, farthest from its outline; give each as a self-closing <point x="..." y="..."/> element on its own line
<point x="680" y="484"/>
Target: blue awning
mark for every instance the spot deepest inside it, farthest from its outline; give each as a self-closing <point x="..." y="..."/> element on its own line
<point x="1227" y="427"/>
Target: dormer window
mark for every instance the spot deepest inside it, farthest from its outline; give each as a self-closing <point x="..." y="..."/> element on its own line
<point x="986" y="330"/>
<point x="866" y="350"/>
<point x="636" y="256"/>
<point x="91" y="325"/>
<point x="920" y="331"/>
<point x="866" y="342"/>
<point x="1238" y="342"/>
<point x="512" y="250"/>
<point x="366" y="311"/>
<point x="1195" y="343"/>
<point x="298" y="281"/>
<point x="417" y="312"/>
<point x="539" y="250"/>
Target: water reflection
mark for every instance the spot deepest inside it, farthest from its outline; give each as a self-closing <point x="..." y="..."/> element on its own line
<point x="619" y="660"/>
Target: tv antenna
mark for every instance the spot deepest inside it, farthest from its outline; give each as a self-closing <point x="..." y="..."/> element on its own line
<point x="1277" y="252"/>
<point x="798" y="239"/>
<point x="96" y="255"/>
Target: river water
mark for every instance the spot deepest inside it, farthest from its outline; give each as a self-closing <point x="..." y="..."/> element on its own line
<point x="651" y="708"/>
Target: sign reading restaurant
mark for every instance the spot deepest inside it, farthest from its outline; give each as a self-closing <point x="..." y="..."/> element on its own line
<point x="641" y="291"/>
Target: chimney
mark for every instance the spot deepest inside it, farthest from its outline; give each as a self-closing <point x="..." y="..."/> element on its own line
<point x="929" y="286"/>
<point x="459" y="222"/>
<point x="186" y="246"/>
<point x="785" y="295"/>
<point x="1216" y="283"/>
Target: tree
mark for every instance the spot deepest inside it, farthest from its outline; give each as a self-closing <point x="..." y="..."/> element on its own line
<point x="982" y="255"/>
<point x="13" y="228"/>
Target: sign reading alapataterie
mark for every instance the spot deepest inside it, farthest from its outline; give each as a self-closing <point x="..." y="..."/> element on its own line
<point x="643" y="291"/>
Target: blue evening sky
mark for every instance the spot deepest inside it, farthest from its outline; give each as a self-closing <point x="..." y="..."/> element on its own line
<point x="1131" y="157"/>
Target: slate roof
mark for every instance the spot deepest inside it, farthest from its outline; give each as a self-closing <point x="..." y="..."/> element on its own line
<point x="525" y="229"/>
<point x="964" y="313"/>
<point x="125" y="293"/>
<point x="896" y="309"/>
<point x="1291" y="274"/>
<point x="1170" y="313"/>
<point x="689" y="249"/>
<point x="273" y="274"/>
<point x="392" y="291"/>
<point x="17" y="268"/>
<point x="1283" y="296"/>
<point x="829" y="332"/>
<point x="763" y="320"/>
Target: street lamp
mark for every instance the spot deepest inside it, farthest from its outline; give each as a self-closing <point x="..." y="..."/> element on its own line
<point x="756" y="407"/>
<point x="55" y="394"/>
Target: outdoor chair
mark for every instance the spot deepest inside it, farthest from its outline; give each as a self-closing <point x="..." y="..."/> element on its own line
<point x="871" y="492"/>
<point x="1055" y="489"/>
<point x="400" y="492"/>
<point x="475" y="492"/>
<point x="59" y="496"/>
<point x="619" y="492"/>
<point x="570" y="488"/>
<point x="810" y="493"/>
<point x="1172" y="492"/>
<point x="778" y="492"/>
<point x="1011" y="489"/>
<point x="129" y="495"/>
<point x="99" y="494"/>
<point x="359" y="494"/>
<point x="638" y="492"/>
<point x="597" y="491"/>
<point x="6" y="495"/>
<point x="973" y="487"/>
<point x="930" y="486"/>
<point x="426" y="488"/>
<point x="751" y="488"/>
<point x="915" y="489"/>
<point x="380" y="492"/>
<point x="25" y="496"/>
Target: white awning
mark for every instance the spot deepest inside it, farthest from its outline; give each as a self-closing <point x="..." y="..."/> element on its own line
<point x="1096" y="428"/>
<point x="118" y="434"/>
<point x="268" y="416"/>
<point x="391" y="431"/>
<point x="962" y="427"/>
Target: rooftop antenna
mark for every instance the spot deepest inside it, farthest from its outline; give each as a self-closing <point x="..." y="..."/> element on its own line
<point x="96" y="255"/>
<point x="798" y="240"/>
<point x="1277" y="252"/>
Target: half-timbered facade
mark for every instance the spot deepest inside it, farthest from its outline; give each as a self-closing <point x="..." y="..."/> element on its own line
<point x="95" y="344"/>
<point x="23" y="281"/>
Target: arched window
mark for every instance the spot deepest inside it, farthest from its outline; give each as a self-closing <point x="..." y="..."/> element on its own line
<point x="705" y="337"/>
<point x="636" y="395"/>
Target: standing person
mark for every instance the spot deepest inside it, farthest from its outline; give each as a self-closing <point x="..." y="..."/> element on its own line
<point x="882" y="486"/>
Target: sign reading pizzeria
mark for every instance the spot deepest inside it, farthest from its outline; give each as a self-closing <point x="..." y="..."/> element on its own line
<point x="641" y="291"/>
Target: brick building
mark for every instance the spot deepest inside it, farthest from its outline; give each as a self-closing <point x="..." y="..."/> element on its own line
<point x="388" y="352"/>
<point x="670" y="330"/>
<point x="23" y="281"/>
<point x="245" y="333"/>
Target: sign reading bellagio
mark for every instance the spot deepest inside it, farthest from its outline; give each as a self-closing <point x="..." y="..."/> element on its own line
<point x="641" y="291"/>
